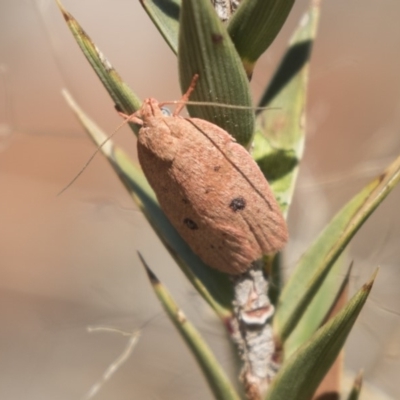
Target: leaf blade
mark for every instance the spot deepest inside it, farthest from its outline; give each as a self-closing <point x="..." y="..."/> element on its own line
<point x="165" y="16"/>
<point x="206" y="49"/>
<point x="312" y="360"/>
<point x="356" y="388"/>
<point x="214" y="373"/>
<point x="280" y="135"/>
<point x="316" y="263"/>
<point x="124" y="98"/>
<point x="255" y="25"/>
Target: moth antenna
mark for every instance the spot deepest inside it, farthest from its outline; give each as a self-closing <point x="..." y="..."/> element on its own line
<point x="185" y="98"/>
<point x="183" y="103"/>
<point x="127" y="118"/>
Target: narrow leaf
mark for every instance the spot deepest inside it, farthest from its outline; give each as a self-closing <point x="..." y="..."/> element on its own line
<point x="214" y="373"/>
<point x="331" y="385"/>
<point x="213" y="286"/>
<point x="300" y="376"/>
<point x="356" y="389"/>
<point x="319" y="307"/>
<point x="206" y="49"/>
<point x="119" y="91"/>
<point x="280" y="135"/>
<point x="255" y="25"/>
<point x="316" y="263"/>
<point x="165" y="16"/>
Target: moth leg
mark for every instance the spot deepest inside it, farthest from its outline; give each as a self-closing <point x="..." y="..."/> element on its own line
<point x="185" y="98"/>
<point x="130" y="118"/>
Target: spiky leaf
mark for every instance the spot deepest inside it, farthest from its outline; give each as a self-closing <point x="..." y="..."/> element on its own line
<point x="301" y="374"/>
<point x="124" y="98"/>
<point x="316" y="263"/>
<point x="214" y="373"/>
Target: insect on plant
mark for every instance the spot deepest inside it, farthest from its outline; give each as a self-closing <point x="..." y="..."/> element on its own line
<point x="209" y="187"/>
<point x="209" y="202"/>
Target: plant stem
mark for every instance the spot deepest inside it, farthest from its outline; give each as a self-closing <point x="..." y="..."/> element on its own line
<point x="252" y="331"/>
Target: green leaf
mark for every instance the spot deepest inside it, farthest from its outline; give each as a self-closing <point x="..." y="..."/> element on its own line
<point x="119" y="91"/>
<point x="319" y="307"/>
<point x="214" y="373"/>
<point x="301" y="374"/>
<point x="255" y="25"/>
<point x="206" y="49"/>
<point x="356" y="389"/>
<point x="165" y="16"/>
<point x="318" y="260"/>
<point x="252" y="29"/>
<point x="212" y="285"/>
<point x="280" y="135"/>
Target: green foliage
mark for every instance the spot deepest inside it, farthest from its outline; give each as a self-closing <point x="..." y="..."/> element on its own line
<point x="312" y="360"/>
<point x="206" y="46"/>
<point x="215" y="375"/>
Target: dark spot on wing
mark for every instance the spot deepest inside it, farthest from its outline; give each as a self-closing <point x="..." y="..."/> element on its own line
<point x="190" y="224"/>
<point x="237" y="204"/>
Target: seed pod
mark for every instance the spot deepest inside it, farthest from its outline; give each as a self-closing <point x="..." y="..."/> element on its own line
<point x="210" y="188"/>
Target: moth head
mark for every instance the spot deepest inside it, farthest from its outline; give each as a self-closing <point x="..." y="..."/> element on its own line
<point x="150" y="111"/>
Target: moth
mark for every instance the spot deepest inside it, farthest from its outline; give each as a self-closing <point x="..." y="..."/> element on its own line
<point x="209" y="187"/>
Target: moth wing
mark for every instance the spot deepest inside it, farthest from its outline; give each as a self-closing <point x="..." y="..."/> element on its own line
<point x="262" y="213"/>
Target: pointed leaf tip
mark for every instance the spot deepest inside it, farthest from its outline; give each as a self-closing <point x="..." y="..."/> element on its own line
<point x="368" y="286"/>
<point x="310" y="363"/>
<point x="317" y="262"/>
<point x="356" y="388"/>
<point x="359" y="380"/>
<point x="153" y="279"/>
<point x="121" y="94"/>
<point x="60" y="6"/>
<point x="215" y="375"/>
<point x="254" y="27"/>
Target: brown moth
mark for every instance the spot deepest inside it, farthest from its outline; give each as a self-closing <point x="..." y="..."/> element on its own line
<point x="210" y="188"/>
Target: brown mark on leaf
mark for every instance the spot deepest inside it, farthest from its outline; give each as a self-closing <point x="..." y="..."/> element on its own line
<point x="67" y="16"/>
<point x="382" y="177"/>
<point x="190" y="224"/>
<point x="237" y="204"/>
<point x="217" y="38"/>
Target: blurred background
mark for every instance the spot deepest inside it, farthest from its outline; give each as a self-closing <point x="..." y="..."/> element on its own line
<point x="70" y="262"/>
